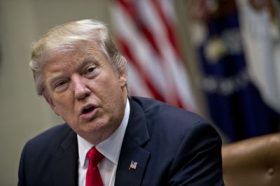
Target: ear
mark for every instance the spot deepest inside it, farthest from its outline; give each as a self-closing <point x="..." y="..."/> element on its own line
<point x="123" y="79"/>
<point x="50" y="102"/>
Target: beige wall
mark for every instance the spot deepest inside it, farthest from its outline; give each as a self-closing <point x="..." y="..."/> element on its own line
<point x="22" y="113"/>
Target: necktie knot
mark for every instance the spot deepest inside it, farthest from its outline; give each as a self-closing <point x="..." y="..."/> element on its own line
<point x="94" y="156"/>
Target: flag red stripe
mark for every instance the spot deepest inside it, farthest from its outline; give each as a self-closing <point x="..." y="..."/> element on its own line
<point x="131" y="10"/>
<point x="168" y="27"/>
<point x="133" y="61"/>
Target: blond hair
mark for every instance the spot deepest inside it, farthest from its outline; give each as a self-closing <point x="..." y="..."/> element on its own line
<point x="65" y="37"/>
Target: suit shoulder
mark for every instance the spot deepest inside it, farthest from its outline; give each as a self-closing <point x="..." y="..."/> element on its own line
<point x="49" y="138"/>
<point x="161" y="111"/>
<point x="165" y="119"/>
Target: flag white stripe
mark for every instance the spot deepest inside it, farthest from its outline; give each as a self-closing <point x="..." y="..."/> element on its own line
<point x="164" y="69"/>
<point x="152" y="22"/>
<point x="135" y="82"/>
<point x="169" y="57"/>
<point x="141" y="50"/>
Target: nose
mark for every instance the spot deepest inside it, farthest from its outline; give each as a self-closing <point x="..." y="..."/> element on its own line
<point x="81" y="91"/>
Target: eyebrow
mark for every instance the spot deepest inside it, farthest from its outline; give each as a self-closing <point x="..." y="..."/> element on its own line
<point x="54" y="79"/>
<point x="87" y="60"/>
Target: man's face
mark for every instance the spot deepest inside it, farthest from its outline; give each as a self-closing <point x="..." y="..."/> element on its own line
<point x="84" y="89"/>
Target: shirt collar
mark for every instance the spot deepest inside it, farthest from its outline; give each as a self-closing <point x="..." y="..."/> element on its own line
<point x="111" y="147"/>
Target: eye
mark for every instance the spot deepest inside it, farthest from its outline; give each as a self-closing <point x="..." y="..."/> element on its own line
<point x="60" y="85"/>
<point x="90" y="71"/>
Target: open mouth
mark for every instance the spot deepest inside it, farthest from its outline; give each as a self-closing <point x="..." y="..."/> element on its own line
<point x="87" y="109"/>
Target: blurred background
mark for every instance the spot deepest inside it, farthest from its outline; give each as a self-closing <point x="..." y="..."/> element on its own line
<point x="218" y="58"/>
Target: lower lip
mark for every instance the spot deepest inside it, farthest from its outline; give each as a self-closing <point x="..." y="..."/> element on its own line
<point x="89" y="115"/>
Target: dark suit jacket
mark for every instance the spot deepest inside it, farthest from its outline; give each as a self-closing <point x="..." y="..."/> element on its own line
<point x="171" y="147"/>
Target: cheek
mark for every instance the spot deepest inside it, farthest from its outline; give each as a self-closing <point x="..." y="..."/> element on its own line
<point x="106" y="89"/>
<point x="113" y="96"/>
<point x="62" y="104"/>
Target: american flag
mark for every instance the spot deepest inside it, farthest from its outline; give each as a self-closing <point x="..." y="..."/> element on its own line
<point x="145" y="33"/>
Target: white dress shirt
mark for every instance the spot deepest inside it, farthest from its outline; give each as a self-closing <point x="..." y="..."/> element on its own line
<point x="110" y="148"/>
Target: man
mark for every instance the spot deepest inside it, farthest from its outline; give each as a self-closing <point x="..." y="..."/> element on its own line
<point x="139" y="141"/>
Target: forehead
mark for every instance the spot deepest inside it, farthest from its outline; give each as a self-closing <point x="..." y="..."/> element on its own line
<point x="75" y="56"/>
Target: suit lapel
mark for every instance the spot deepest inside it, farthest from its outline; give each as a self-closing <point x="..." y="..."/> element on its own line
<point x="133" y="157"/>
<point x="65" y="164"/>
<point x="132" y="161"/>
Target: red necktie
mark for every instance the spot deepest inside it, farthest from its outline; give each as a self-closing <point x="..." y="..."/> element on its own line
<point x="93" y="177"/>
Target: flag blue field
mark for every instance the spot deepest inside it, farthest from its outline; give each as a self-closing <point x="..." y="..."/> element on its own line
<point x="235" y="104"/>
